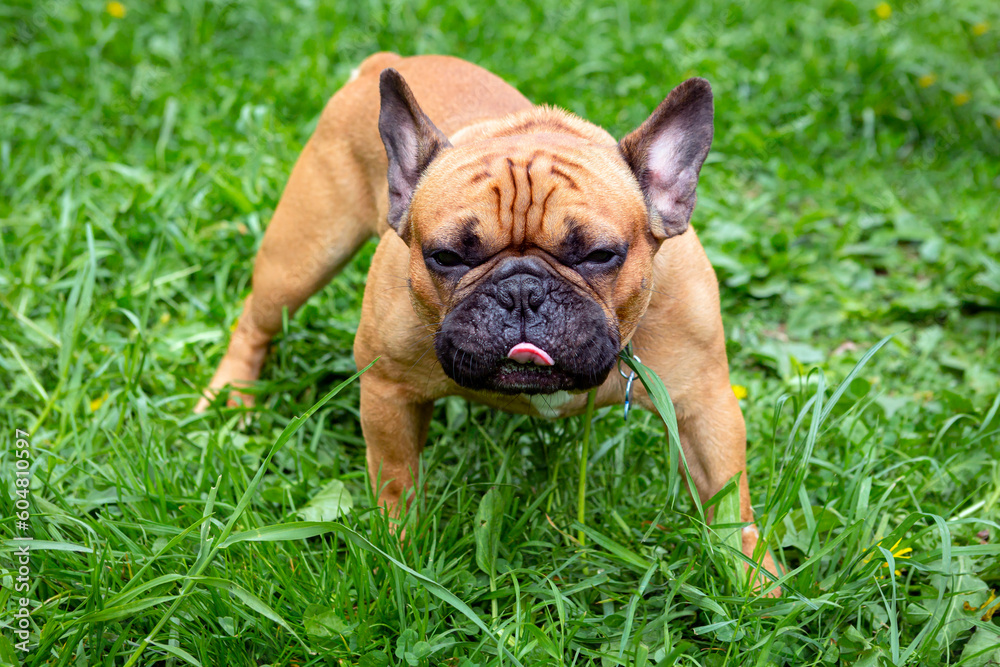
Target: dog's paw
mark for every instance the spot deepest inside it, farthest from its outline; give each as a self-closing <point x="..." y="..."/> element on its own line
<point x="234" y="373"/>
<point x="237" y="399"/>
<point x="751" y="536"/>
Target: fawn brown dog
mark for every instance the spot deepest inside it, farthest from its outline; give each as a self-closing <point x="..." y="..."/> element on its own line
<point x="521" y="249"/>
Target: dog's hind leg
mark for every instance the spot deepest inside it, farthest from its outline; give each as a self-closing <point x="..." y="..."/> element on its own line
<point x="327" y="211"/>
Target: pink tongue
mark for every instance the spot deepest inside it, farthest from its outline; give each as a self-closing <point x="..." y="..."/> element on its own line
<point x="526" y="353"/>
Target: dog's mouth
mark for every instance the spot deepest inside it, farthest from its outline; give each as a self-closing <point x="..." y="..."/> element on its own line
<point x="508" y="376"/>
<point x="528" y="369"/>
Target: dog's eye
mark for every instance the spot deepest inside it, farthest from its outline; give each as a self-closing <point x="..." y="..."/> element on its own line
<point x="600" y="257"/>
<point x="446" y="258"/>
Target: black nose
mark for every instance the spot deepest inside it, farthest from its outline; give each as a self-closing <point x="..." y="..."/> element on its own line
<point x="520" y="292"/>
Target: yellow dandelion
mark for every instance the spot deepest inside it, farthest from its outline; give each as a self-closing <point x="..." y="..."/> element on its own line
<point x="883" y="10"/>
<point x="164" y="318"/>
<point x="96" y="404"/>
<point x="927" y="80"/>
<point x="961" y="98"/>
<point x="896" y="553"/>
<point x="116" y="9"/>
<point x="991" y="598"/>
<point x="740" y="391"/>
<point x="980" y="28"/>
<point x="990" y="612"/>
<point x="901" y="553"/>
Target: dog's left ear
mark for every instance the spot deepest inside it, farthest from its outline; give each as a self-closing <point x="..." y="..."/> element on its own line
<point x="666" y="153"/>
<point x="411" y="142"/>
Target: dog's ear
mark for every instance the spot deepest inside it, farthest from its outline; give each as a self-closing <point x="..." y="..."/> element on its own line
<point x="411" y="142"/>
<point x="666" y="153"/>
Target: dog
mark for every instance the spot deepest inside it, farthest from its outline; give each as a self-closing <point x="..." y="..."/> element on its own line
<point x="522" y="244"/>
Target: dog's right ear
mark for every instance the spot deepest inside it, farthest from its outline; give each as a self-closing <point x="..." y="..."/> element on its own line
<point x="411" y="142"/>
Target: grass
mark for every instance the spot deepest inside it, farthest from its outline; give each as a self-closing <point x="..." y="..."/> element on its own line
<point x="851" y="195"/>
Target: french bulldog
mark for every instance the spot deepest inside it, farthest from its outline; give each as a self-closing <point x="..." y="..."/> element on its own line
<point x="521" y="248"/>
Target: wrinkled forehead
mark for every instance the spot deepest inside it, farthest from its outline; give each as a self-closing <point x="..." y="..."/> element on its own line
<point x="529" y="190"/>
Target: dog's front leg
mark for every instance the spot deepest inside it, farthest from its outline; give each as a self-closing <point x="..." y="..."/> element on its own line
<point x="713" y="436"/>
<point x="395" y="429"/>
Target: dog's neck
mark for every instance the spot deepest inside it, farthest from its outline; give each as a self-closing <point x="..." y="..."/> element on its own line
<point x="536" y="120"/>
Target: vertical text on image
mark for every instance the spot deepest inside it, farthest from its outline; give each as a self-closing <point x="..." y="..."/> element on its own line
<point x="22" y="534"/>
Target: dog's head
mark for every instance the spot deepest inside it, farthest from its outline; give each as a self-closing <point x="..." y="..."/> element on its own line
<point x="531" y="254"/>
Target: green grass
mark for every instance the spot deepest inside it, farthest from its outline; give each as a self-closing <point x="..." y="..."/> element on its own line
<point x="844" y="201"/>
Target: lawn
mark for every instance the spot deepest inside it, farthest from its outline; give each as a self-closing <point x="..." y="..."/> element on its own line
<point x="852" y="196"/>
